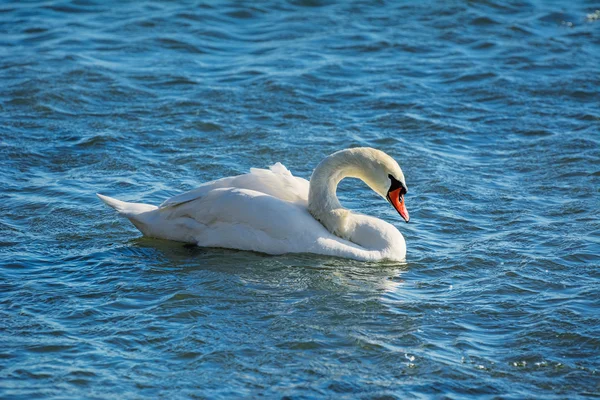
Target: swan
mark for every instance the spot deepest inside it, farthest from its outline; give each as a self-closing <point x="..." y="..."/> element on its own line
<point x="271" y="211"/>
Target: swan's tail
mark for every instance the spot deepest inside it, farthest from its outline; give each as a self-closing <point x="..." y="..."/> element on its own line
<point x="139" y="214"/>
<point x="126" y="209"/>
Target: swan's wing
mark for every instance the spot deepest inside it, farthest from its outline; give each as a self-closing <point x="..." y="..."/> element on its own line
<point x="277" y="181"/>
<point x="199" y="192"/>
<point x="247" y="220"/>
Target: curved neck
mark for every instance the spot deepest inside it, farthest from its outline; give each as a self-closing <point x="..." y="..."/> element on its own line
<point x="323" y="203"/>
<point x="324" y="181"/>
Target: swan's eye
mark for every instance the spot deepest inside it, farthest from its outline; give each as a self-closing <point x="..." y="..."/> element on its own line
<point x="396" y="184"/>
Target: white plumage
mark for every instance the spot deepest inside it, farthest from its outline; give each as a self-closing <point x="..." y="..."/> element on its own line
<point x="269" y="211"/>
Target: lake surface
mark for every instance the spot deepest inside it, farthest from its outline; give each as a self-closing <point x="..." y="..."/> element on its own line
<point x="491" y="107"/>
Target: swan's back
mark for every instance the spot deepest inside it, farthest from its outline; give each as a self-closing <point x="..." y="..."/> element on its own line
<point x="277" y="181"/>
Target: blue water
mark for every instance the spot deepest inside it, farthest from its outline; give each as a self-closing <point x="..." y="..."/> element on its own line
<point x="491" y="107"/>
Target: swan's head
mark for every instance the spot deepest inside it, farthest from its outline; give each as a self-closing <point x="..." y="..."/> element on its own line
<point x="383" y="174"/>
<point x="389" y="182"/>
<point x="378" y="170"/>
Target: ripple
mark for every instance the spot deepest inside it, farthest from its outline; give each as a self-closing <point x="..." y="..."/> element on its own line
<point x="490" y="107"/>
<point x="173" y="44"/>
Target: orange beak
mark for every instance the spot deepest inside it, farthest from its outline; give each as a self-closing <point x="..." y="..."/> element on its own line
<point x="397" y="199"/>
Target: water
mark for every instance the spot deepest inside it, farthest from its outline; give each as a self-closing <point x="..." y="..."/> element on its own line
<point x="491" y="108"/>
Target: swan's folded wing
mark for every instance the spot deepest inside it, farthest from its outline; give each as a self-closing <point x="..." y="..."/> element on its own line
<point x="248" y="220"/>
<point x="197" y="193"/>
<point x="277" y="182"/>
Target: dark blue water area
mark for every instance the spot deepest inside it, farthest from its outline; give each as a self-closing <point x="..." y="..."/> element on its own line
<point x="492" y="108"/>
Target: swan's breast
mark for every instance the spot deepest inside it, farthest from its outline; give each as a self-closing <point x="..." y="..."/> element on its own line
<point x="376" y="234"/>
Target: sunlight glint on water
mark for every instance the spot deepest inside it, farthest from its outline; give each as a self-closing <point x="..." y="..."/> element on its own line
<point x="490" y="107"/>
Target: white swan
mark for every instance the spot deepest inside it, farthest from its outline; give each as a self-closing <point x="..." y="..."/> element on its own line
<point x="271" y="211"/>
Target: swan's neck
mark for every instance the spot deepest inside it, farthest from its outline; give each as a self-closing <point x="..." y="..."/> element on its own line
<point x="323" y="203"/>
<point x="324" y="181"/>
